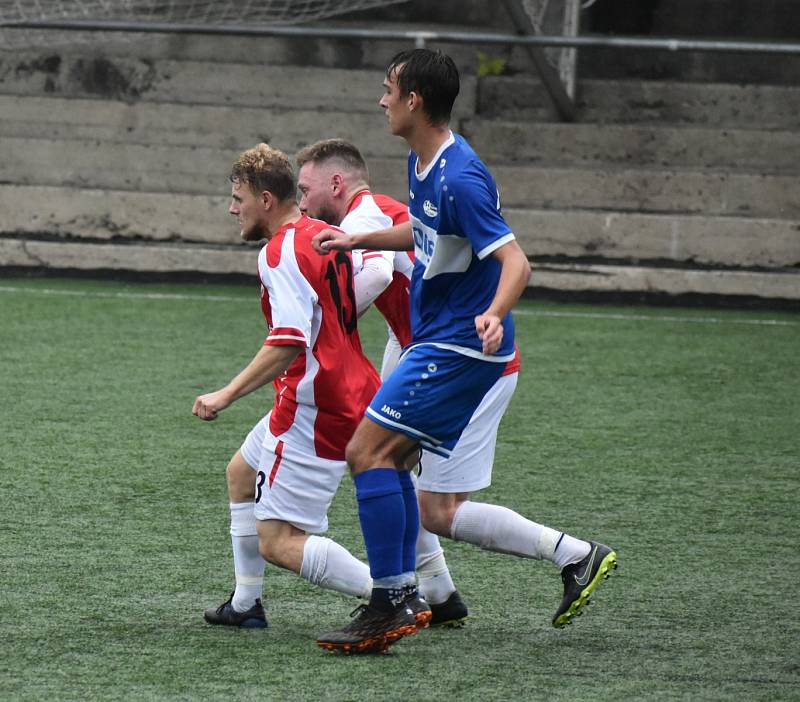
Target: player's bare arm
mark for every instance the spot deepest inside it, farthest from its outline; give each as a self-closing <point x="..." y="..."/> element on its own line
<point x="514" y="275"/>
<point x="396" y="238"/>
<point x="267" y="364"/>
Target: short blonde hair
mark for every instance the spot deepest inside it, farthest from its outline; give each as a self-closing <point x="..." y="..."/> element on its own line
<point x="265" y="168"/>
<point x="341" y="150"/>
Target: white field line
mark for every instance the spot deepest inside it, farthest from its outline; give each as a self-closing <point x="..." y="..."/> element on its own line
<point x="126" y="295"/>
<point x="520" y="312"/>
<point x="653" y="318"/>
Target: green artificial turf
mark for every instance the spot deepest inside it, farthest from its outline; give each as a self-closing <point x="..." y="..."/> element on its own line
<point x="672" y="435"/>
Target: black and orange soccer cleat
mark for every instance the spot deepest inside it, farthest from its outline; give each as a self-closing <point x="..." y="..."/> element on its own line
<point x="370" y="631"/>
<point x="420" y="609"/>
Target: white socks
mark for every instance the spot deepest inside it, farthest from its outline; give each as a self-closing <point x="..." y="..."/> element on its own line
<point x="435" y="583"/>
<point x="330" y="565"/>
<point x="500" y="529"/>
<point x="247" y="562"/>
<point x="433" y="577"/>
<point x="570" y="550"/>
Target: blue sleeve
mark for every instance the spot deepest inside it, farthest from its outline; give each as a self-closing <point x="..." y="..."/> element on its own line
<point x="476" y="209"/>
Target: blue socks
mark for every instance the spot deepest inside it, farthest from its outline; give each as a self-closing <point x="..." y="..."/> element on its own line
<point x="412" y="521"/>
<point x="389" y="516"/>
<point x="382" y="513"/>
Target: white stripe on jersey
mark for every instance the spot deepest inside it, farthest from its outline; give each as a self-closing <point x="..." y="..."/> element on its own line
<point x="420" y="435"/>
<point x="464" y="350"/>
<point x="440" y="253"/>
<point x="292" y="299"/>
<point x="301" y="433"/>
<point x="287" y="336"/>
<point x="366" y="217"/>
<point x="293" y="302"/>
<point x="483" y="253"/>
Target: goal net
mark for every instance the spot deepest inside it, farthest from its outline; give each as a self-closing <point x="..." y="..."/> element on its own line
<point x="558" y="18"/>
<point x="201" y="12"/>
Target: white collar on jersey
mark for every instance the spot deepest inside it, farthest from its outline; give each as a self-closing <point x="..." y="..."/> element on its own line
<point x="422" y="176"/>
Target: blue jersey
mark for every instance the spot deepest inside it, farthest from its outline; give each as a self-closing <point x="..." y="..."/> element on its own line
<point x="455" y="215"/>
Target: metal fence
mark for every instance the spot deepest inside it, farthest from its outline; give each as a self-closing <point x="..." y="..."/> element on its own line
<point x="562" y="99"/>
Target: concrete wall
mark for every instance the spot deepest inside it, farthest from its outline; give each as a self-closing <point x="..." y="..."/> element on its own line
<point x="718" y="19"/>
<point x="114" y="157"/>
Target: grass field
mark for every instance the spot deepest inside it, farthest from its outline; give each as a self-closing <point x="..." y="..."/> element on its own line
<point x="673" y="435"/>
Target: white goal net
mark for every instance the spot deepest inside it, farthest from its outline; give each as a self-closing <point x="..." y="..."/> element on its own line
<point x="201" y="12"/>
<point x="558" y="18"/>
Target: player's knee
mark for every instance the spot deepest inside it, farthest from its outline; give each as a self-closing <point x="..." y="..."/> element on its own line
<point x="434" y="519"/>
<point x="241" y="479"/>
<point x="362" y="455"/>
<point x="437" y="511"/>
<point x="358" y="456"/>
<point x="436" y="523"/>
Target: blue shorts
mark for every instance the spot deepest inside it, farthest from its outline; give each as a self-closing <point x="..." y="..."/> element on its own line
<point x="432" y="394"/>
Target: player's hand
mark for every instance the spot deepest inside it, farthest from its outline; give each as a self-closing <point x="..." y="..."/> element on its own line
<point x="490" y="332"/>
<point x="329" y="240"/>
<point x="208" y="406"/>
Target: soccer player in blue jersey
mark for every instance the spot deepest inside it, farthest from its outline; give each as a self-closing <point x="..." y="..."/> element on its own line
<point x="469" y="272"/>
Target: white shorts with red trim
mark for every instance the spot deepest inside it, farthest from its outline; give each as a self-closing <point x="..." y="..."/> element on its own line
<point x="291" y="485"/>
<point x="469" y="466"/>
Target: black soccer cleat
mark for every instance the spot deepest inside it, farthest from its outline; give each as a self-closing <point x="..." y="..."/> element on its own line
<point x="420" y="609"/>
<point x="370" y="631"/>
<point x="451" y="613"/>
<point x="225" y="614"/>
<point x="580" y="579"/>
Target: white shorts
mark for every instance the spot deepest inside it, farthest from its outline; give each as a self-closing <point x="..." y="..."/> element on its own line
<point x="469" y="467"/>
<point x="291" y="485"/>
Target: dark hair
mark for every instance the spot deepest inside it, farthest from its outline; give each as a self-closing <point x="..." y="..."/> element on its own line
<point x="265" y="168"/>
<point x="334" y="149"/>
<point x="432" y="75"/>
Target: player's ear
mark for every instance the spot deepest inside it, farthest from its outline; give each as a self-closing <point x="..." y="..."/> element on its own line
<point x="337" y="182"/>
<point x="267" y="199"/>
<point x="414" y="101"/>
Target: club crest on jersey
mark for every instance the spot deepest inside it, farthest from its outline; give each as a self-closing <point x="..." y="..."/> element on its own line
<point x="430" y="209"/>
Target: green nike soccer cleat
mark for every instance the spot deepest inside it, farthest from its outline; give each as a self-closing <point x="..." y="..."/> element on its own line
<point x="580" y="580"/>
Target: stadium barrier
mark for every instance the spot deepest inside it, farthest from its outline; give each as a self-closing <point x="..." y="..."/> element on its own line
<point x="600" y="251"/>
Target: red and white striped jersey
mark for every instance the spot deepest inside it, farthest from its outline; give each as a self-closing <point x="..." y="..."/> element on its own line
<point x="308" y="301"/>
<point x="370" y="212"/>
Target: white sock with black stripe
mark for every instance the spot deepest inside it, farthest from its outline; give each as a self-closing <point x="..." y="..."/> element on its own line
<point x="500" y="529"/>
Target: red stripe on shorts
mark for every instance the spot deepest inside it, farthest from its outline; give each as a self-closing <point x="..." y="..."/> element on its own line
<point x="276" y="465"/>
